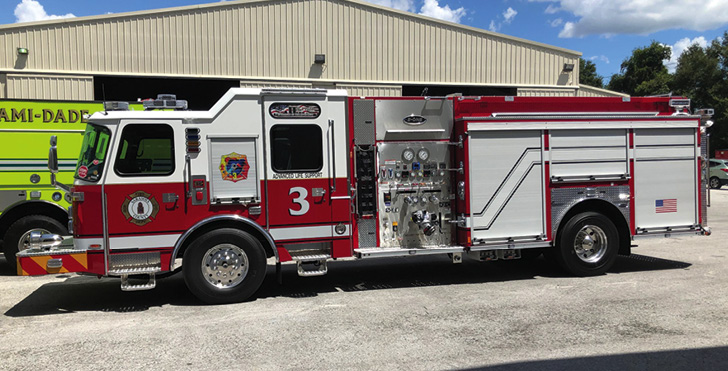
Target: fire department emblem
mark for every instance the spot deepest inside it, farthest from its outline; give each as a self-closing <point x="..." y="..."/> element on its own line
<point x="140" y="208"/>
<point x="234" y="167"/>
<point x="295" y="110"/>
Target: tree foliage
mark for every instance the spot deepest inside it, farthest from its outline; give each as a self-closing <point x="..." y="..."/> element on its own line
<point x="701" y="75"/>
<point x="644" y="72"/>
<point x="588" y="74"/>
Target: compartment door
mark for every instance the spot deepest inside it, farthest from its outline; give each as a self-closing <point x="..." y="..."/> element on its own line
<point x="506" y="185"/>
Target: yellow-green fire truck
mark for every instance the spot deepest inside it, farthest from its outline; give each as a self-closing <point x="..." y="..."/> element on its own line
<point x="28" y="201"/>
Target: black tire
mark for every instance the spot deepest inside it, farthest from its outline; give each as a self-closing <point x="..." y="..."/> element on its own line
<point x="598" y="249"/>
<point x="237" y="257"/>
<point x="715" y="183"/>
<point x="24" y="225"/>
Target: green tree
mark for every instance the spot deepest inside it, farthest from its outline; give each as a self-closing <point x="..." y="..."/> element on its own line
<point x="644" y="72"/>
<point x="588" y="74"/>
<point x="702" y="76"/>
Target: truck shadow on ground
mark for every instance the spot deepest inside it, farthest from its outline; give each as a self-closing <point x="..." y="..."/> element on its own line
<point x="84" y="293"/>
<point x="683" y="359"/>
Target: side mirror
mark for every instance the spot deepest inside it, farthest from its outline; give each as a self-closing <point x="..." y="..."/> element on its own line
<point x="53" y="156"/>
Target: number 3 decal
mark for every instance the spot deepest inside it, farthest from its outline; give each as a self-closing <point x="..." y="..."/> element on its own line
<point x="301" y="200"/>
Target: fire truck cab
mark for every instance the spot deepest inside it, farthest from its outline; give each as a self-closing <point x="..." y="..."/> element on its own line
<point x="313" y="175"/>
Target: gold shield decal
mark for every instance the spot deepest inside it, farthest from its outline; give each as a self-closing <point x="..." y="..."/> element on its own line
<point x="140" y="208"/>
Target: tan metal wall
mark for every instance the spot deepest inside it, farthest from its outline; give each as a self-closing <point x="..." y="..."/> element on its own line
<point x="58" y="87"/>
<point x="270" y="84"/>
<point x="277" y="39"/>
<point x="371" y="90"/>
<point x="590" y="91"/>
<point x="3" y="86"/>
<point x="546" y="92"/>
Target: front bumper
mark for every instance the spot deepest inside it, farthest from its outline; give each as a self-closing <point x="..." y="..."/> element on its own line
<point x="56" y="255"/>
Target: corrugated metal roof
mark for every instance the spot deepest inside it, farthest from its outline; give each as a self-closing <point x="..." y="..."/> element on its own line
<point x="235" y="3"/>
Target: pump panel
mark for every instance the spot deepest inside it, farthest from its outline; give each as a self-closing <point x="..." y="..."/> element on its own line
<point x="414" y="194"/>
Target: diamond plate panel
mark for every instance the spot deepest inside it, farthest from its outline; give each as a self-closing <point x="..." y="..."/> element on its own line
<point x="367" y="233"/>
<point x="136" y="260"/>
<point x="364" y="122"/>
<point x="563" y="199"/>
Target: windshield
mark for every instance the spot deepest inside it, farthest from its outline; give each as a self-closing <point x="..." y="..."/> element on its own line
<point x="93" y="153"/>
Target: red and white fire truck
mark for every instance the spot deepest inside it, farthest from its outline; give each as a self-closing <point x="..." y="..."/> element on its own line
<point x="309" y="176"/>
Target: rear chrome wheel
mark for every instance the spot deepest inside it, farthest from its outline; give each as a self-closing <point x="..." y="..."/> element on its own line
<point x="590" y="243"/>
<point x="587" y="245"/>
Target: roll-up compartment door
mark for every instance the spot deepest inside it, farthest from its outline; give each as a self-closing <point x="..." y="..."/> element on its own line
<point x="506" y="185"/>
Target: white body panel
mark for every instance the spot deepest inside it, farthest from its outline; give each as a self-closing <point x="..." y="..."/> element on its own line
<point x="506" y="184"/>
<point x="666" y="169"/>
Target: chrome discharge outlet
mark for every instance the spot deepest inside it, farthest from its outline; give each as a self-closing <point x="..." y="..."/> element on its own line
<point x="424" y="220"/>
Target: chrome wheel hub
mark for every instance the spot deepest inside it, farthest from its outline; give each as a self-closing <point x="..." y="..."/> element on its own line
<point x="714" y="183"/>
<point x="24" y="242"/>
<point x="590" y="243"/>
<point x="225" y="266"/>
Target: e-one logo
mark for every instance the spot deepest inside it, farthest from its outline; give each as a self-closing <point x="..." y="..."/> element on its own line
<point x="414" y="120"/>
<point x="46" y="115"/>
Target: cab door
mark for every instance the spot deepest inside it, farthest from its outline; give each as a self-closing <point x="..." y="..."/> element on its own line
<point x="145" y="192"/>
<point x="300" y="172"/>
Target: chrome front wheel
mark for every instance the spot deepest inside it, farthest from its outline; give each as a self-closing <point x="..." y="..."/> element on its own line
<point x="225" y="266"/>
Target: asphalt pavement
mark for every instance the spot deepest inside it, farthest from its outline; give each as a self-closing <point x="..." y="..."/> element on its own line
<point x="663" y="308"/>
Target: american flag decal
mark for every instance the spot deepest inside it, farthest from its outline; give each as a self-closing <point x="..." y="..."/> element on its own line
<point x="666" y="206"/>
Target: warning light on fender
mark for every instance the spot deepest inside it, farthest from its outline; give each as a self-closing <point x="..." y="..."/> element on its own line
<point x="193" y="140"/>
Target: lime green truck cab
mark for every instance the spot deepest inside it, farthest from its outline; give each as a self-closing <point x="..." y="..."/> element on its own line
<point x="28" y="201"/>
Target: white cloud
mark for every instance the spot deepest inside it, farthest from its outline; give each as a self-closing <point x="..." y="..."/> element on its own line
<point x="602" y="58"/>
<point x="643" y="17"/>
<point x="680" y="47"/>
<point x="406" y="5"/>
<point x="31" y="11"/>
<point x="551" y="9"/>
<point x="432" y="8"/>
<point x="508" y="16"/>
<point x="556" y="22"/>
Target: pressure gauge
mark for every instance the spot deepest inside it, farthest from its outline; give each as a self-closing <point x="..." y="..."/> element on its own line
<point x="423" y="154"/>
<point x="408" y="155"/>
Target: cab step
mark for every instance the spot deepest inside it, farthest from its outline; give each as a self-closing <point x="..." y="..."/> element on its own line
<point x="126" y="286"/>
<point x="311" y="264"/>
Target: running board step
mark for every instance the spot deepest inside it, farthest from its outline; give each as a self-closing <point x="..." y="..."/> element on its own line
<point x="387" y="252"/>
<point x="311" y="264"/>
<point x="126" y="286"/>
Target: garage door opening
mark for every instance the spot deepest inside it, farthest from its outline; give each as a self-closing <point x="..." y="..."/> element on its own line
<point x="200" y="94"/>
<point x="443" y="90"/>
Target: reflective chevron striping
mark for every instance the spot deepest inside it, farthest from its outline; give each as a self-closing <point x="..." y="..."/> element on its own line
<point x="38" y="265"/>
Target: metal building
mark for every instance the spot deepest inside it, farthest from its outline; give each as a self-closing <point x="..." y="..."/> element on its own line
<point x="205" y="49"/>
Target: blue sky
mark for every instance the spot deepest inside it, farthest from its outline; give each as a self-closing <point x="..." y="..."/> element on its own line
<point x="605" y="31"/>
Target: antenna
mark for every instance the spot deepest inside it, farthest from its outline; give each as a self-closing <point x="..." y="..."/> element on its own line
<point x="103" y="96"/>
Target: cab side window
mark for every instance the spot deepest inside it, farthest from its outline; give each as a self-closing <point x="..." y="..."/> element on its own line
<point x="145" y="150"/>
<point x="296" y="148"/>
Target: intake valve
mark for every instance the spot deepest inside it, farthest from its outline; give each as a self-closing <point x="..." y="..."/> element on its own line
<point x="423" y="219"/>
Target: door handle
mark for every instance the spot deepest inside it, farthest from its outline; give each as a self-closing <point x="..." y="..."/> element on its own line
<point x="318" y="192"/>
<point x="169" y="197"/>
